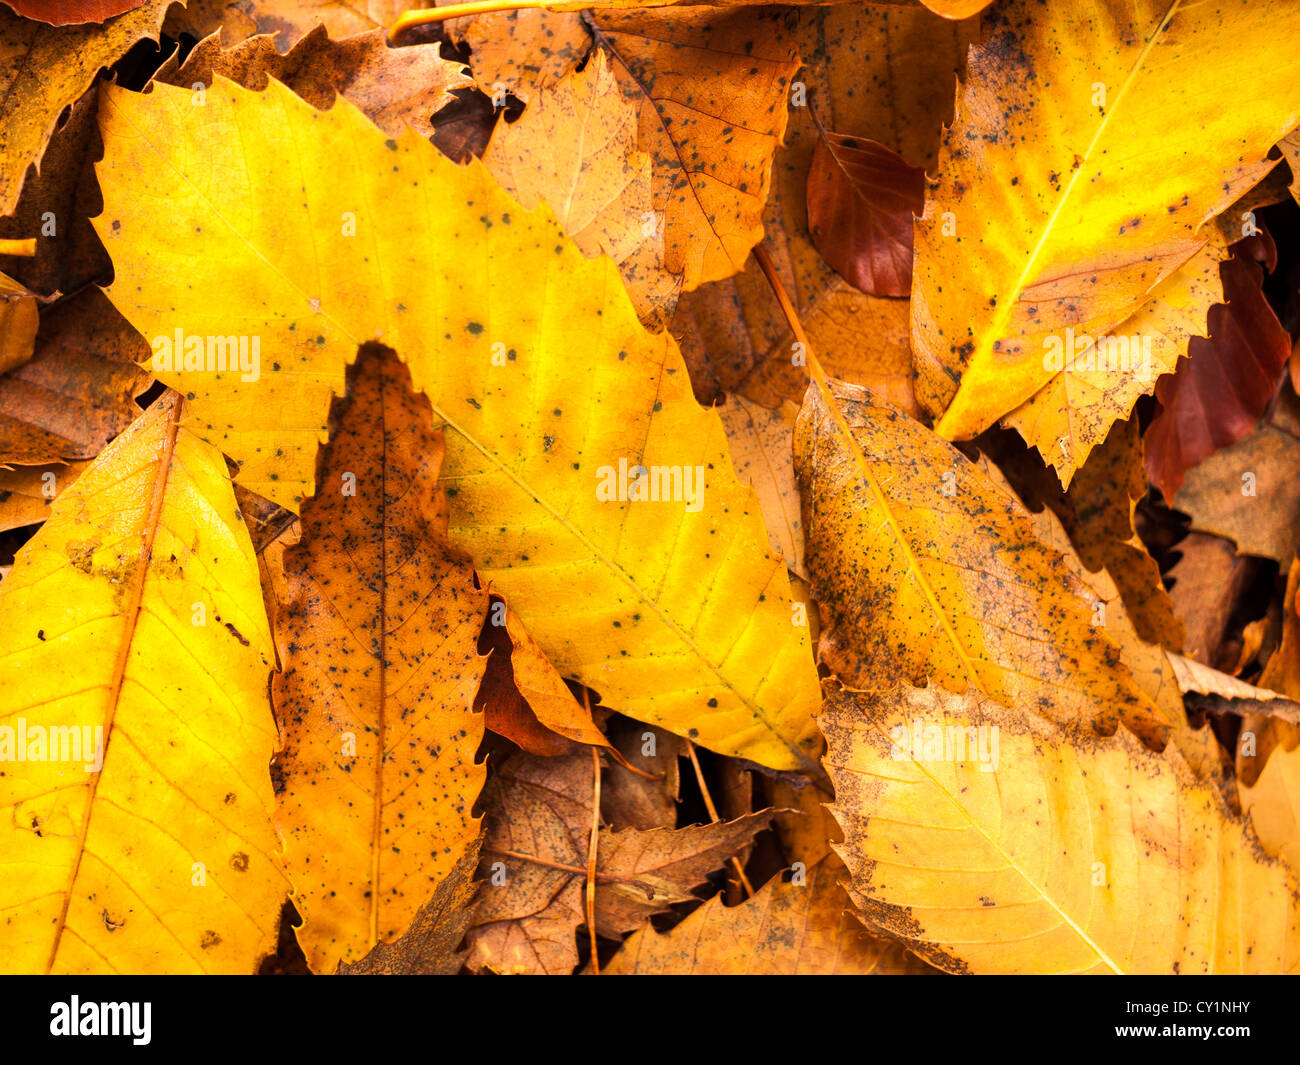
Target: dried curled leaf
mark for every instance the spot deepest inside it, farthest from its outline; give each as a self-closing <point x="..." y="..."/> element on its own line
<point x="787" y="929"/>
<point x="137" y="645"/>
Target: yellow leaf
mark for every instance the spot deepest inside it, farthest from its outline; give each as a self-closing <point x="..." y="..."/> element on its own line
<point x="550" y="391"/>
<point x="18" y="322"/>
<point x="1073" y="412"/>
<point x="930" y="569"/>
<point x="1068" y="189"/>
<point x="375" y="703"/>
<point x="990" y="840"/>
<point x="27" y="492"/>
<point x="134" y="621"/>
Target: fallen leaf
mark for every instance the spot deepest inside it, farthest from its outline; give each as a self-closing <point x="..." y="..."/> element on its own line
<point x="575" y="149"/>
<point x="740" y="680"/>
<point x="18" y="322"/>
<point x="861" y="201"/>
<point x="430" y="946"/>
<point x="1051" y="850"/>
<point x="1249" y="492"/>
<point x="289" y="20"/>
<point x="1043" y="219"/>
<point x="70" y="12"/>
<point x="534" y="866"/>
<point x="43" y="70"/>
<point x="784" y="930"/>
<point x="378" y="767"/>
<point x="78" y="391"/>
<point x="762" y="446"/>
<point x="27" y="492"/>
<point x="158" y="854"/>
<point x="1228" y="381"/>
<point x="394" y="87"/>
<point x="929" y="569"/>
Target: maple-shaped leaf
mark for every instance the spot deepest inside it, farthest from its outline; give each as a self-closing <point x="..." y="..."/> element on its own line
<point x="861" y="200"/>
<point x="1228" y="380"/>
<point x="78" y="390"/>
<point x="43" y="70"/>
<point x="379" y="645"/>
<point x="552" y="394"/>
<point x="394" y="87"/>
<point x="992" y="840"/>
<point x="539" y="820"/>
<point x="71" y="12"/>
<point x="137" y="645"/>
<point x="1064" y="210"/>
<point x="523" y="697"/>
<point x="931" y="569"/>
<point x="801" y="928"/>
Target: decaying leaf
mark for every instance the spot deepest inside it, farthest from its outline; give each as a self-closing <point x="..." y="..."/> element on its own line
<point x="378" y="767"/>
<point x="71" y="12"/>
<point x="554" y="471"/>
<point x="43" y="70"/>
<point x="19" y="318"/>
<point x="1230" y="377"/>
<point x="79" y="389"/>
<point x="787" y="929"/>
<point x="394" y="87"/>
<point x="1036" y="847"/>
<point x="146" y="844"/>
<point x="535" y="858"/>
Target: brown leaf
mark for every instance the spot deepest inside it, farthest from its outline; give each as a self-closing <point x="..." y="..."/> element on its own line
<point x="531" y="906"/>
<point x="42" y="70"/>
<point x="861" y="201"/>
<point x="635" y="800"/>
<point x="289" y="20"/>
<point x="429" y="946"/>
<point x="395" y="87"/>
<point x="523" y="697"/>
<point x="786" y="929"/>
<point x="78" y="391"/>
<point x="1228" y="380"/>
<point x="1249" y="491"/>
<point x="71" y="12"/>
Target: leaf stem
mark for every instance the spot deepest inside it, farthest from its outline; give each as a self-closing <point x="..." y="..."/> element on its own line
<point x="430" y="16"/>
<point x="713" y="813"/>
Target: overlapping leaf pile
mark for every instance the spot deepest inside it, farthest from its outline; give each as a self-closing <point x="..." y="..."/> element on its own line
<point x="649" y="488"/>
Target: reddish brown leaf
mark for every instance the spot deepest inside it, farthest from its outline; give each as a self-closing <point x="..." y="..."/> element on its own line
<point x="861" y="199"/>
<point x="71" y="12"/>
<point x="1228" y="380"/>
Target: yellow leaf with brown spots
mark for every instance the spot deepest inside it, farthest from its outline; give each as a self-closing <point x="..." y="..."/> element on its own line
<point x="1066" y="191"/>
<point x="552" y="394"/>
<point x="379" y="643"/>
<point x="137" y="645"/>
<point x="992" y="840"/>
<point x="930" y="569"/>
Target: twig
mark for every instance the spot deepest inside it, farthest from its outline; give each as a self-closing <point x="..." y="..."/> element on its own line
<point x="713" y="813"/>
<point x="591" y="859"/>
